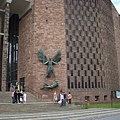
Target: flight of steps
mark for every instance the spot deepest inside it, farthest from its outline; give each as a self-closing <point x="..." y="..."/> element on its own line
<point x="32" y="105"/>
<point x="5" y="97"/>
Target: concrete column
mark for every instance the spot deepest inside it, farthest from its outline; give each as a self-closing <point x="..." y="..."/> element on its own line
<point x="5" y="47"/>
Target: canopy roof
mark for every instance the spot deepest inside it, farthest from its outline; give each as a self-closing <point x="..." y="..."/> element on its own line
<point x="19" y="7"/>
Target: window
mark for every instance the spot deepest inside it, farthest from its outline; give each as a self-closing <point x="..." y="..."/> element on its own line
<point x="68" y="67"/>
<point x="82" y="82"/>
<point x="66" y="32"/>
<point x="78" y="84"/>
<point x="78" y="62"/>
<point x="88" y="67"/>
<point x="81" y="66"/>
<point x="70" y="37"/>
<point x="67" y="43"/>
<point x="90" y="50"/>
<point x="94" y="55"/>
<point x="94" y="67"/>
<point x="73" y="32"/>
<point x="66" y="21"/>
<point x="87" y="98"/>
<point x="88" y="81"/>
<point x="96" y="98"/>
<point x="78" y="72"/>
<point x="81" y="43"/>
<point x="85" y="72"/>
<point x="68" y="79"/>
<point x="91" y="72"/>
<point x="77" y="49"/>
<point x="88" y="55"/>
<point x="81" y="55"/>
<point x="74" y="66"/>
<point x="84" y="50"/>
<point x="91" y="61"/>
<point x="95" y="82"/>
<point x="84" y="61"/>
<point x="71" y="84"/>
<point x="105" y="97"/>
<point x="98" y="84"/>
<point x="71" y="72"/>
<point x="92" y="84"/>
<point x="67" y="54"/>
<point x="12" y="54"/>
<point x="75" y="81"/>
<point x="71" y="61"/>
<point x="70" y="49"/>
<point x="79" y="33"/>
<point x="74" y="55"/>
<point x="76" y="38"/>
<point x="98" y="73"/>
<point x="85" y="84"/>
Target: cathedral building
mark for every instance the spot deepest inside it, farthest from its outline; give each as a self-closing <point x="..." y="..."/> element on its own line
<point x="86" y="32"/>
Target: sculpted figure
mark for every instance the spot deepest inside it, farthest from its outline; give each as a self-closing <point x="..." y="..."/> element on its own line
<point x="55" y="84"/>
<point x="50" y="62"/>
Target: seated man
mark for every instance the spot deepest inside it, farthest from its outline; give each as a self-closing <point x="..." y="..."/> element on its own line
<point x="55" y="84"/>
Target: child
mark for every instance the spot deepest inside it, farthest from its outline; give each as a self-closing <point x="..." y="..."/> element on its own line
<point x="13" y="101"/>
<point x="55" y="97"/>
<point x="24" y="97"/>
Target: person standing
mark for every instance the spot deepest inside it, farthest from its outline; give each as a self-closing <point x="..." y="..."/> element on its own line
<point x="65" y="97"/>
<point x="15" y="96"/>
<point x="55" y="97"/>
<point x="16" y="85"/>
<point x="69" y="97"/>
<point x="18" y="94"/>
<point x="62" y="99"/>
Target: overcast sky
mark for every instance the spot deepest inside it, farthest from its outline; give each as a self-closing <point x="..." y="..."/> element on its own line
<point x="116" y="4"/>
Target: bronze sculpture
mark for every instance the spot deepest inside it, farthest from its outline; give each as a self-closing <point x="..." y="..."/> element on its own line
<point x="50" y="62"/>
<point x="55" y="84"/>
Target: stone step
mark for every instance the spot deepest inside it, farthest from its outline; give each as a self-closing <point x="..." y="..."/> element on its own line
<point x="5" y="97"/>
<point x="84" y="114"/>
<point x="36" y="107"/>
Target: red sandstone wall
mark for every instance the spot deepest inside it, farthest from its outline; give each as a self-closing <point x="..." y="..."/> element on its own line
<point x="116" y="20"/>
<point x="43" y="28"/>
<point x="0" y="52"/>
<point x="25" y="56"/>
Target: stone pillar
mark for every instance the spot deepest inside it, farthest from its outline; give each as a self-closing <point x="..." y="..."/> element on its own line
<point x="5" y="46"/>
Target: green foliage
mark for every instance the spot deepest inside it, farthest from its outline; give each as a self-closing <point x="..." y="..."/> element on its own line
<point x="105" y="105"/>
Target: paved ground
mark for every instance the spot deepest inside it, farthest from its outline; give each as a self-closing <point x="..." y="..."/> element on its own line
<point x="82" y="114"/>
<point x="115" y="117"/>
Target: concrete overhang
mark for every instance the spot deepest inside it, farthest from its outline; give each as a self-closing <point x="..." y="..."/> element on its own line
<point x="20" y="7"/>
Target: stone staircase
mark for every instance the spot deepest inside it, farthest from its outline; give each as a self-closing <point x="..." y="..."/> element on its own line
<point x="32" y="105"/>
<point x="5" y="97"/>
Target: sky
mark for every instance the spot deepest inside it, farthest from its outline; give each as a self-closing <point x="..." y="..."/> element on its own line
<point x="116" y="3"/>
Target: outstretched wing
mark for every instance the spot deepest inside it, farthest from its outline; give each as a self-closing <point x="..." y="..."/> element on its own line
<point x="42" y="56"/>
<point x="57" y="57"/>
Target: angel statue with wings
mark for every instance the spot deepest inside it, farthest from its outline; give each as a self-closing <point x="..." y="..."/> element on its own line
<point x="50" y="62"/>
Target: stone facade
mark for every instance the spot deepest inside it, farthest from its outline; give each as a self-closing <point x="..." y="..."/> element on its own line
<point x="5" y="46"/>
<point x="87" y="32"/>
<point x="91" y="49"/>
<point x="0" y="48"/>
<point x="43" y="28"/>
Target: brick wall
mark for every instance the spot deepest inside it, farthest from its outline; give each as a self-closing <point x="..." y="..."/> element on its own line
<point x="91" y="51"/>
<point x="0" y="50"/>
<point x="86" y="32"/>
<point x="116" y="20"/>
<point x="43" y="28"/>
